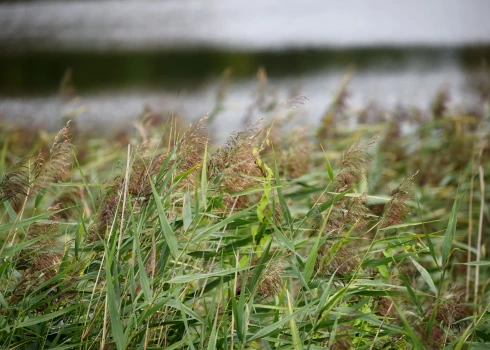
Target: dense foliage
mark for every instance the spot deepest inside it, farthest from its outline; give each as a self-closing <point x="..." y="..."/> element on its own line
<point x="364" y="235"/>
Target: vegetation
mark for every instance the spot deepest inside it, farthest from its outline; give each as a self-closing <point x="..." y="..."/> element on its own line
<point x="352" y="237"/>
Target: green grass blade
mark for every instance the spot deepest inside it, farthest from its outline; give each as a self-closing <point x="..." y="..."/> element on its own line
<point x="283" y="239"/>
<point x="425" y="275"/>
<point x="213" y="336"/>
<point x="197" y="277"/>
<point x="275" y="326"/>
<point x="450" y="233"/>
<point x="187" y="212"/>
<point x="24" y="222"/>
<point x="85" y="183"/>
<point x="260" y="267"/>
<point x="427" y="238"/>
<point x="43" y="318"/>
<point x="117" y="326"/>
<point x="144" y="280"/>
<point x="412" y="294"/>
<point x="329" y="168"/>
<point x="417" y="344"/>
<point x="280" y="194"/>
<point x="297" y="343"/>
<point x="216" y="227"/>
<point x="164" y="224"/>
<point x="477" y="263"/>
<point x="325" y="205"/>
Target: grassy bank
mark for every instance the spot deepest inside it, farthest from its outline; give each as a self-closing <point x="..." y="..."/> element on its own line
<point x="340" y="237"/>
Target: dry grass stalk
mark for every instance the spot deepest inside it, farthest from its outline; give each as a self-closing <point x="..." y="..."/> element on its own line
<point x="480" y="222"/>
<point x="470" y="232"/>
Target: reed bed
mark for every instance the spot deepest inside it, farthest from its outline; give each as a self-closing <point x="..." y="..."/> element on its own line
<point x="371" y="236"/>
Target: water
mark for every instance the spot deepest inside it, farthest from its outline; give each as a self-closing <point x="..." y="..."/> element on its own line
<point x="409" y="87"/>
<point x="169" y="55"/>
<point x="244" y="25"/>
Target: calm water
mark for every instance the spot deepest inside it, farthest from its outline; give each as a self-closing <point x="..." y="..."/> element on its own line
<point x="169" y="54"/>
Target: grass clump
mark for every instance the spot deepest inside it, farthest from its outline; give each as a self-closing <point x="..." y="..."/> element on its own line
<point x="166" y="241"/>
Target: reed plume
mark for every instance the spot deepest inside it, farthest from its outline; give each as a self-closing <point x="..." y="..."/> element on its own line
<point x="354" y="165"/>
<point x="270" y="281"/>
<point x="15" y="182"/>
<point x="396" y="210"/>
<point x="56" y="168"/>
<point x="293" y="158"/>
<point x="234" y="166"/>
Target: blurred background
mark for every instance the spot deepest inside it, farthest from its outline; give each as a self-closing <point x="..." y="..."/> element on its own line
<point x="105" y="61"/>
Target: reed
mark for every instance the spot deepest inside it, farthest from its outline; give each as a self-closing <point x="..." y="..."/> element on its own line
<point x="268" y="241"/>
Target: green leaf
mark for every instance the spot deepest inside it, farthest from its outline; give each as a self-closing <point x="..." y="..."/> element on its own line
<point x="312" y="256"/>
<point x="473" y="346"/>
<point x="215" y="228"/>
<point x="187" y="215"/>
<point x="117" y="327"/>
<point x="411" y="293"/>
<point x="417" y="344"/>
<point x="282" y="238"/>
<point x="324" y="206"/>
<point x="196" y="277"/>
<point x="85" y="183"/>
<point x="44" y="318"/>
<point x="186" y="325"/>
<point x="450" y="233"/>
<point x="260" y="267"/>
<point x="144" y="280"/>
<point x="425" y="275"/>
<point x="284" y="207"/>
<point x="213" y="336"/>
<point x="261" y="208"/>
<point x="18" y="247"/>
<point x="165" y="226"/>
<point x="409" y="224"/>
<point x="383" y="270"/>
<point x="177" y="304"/>
<point x="275" y="326"/>
<point x="427" y="238"/>
<point x="186" y="174"/>
<point x="21" y="223"/>
<point x="477" y="263"/>
<point x="297" y="343"/>
<point x="329" y="169"/>
<point x="384" y="261"/>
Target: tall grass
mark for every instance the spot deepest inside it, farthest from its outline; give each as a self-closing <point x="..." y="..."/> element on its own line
<point x="278" y="239"/>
